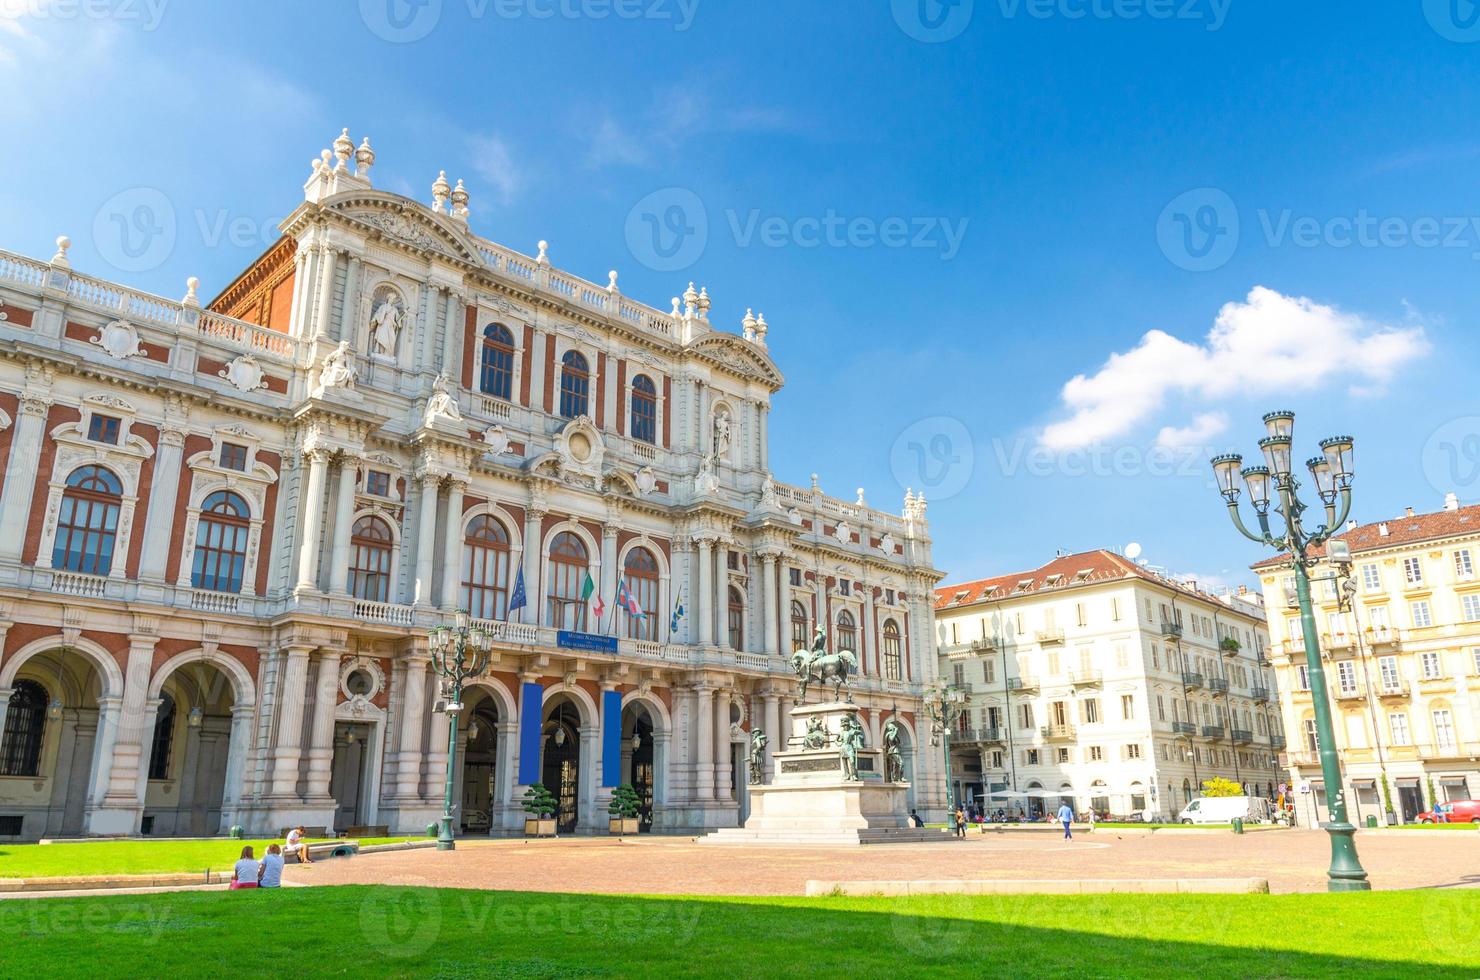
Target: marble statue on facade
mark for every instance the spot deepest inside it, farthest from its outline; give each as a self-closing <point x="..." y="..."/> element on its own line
<point x="443" y="402"/>
<point x="385" y="325"/>
<point x="722" y="430"/>
<point x="757" y="755"/>
<point x="337" y="370"/>
<point x="893" y="753"/>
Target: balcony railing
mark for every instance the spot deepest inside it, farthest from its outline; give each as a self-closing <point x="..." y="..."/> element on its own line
<point x="1348" y="693"/>
<point x="1050" y="636"/>
<point x="1304" y="758"/>
<point x="218" y="602"/>
<point x="1382" y="637"/>
<point x="384" y="612"/>
<point x="1259" y="693"/>
<point x="1212" y="731"/>
<point x="1171" y="629"/>
<point x="1241" y="735"/>
<point x="516" y="633"/>
<point x="1338" y="641"/>
<point x="1086" y="678"/>
<point x="1191" y="679"/>
<point x="1217" y="685"/>
<point x="1022" y="683"/>
<point x="78" y="583"/>
<point x="985" y="736"/>
<point x="1058" y="733"/>
<point x="1394" y="689"/>
<point x="1276" y="741"/>
<point x="1184" y="728"/>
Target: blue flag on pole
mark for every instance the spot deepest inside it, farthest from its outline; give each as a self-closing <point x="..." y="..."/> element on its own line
<point x="518" y="600"/>
<point x="677" y="615"/>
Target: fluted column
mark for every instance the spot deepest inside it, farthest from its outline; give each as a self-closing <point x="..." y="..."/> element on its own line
<point x="452" y="328"/>
<point x="413" y="713"/>
<point x="609" y="532"/>
<point x="321" y="742"/>
<point x="162" y="505"/>
<point x="326" y="293"/>
<point x="291" y="701"/>
<point x="775" y="739"/>
<point x="312" y="511"/>
<point x="351" y="301"/>
<point x="20" y="480"/>
<point x="704" y="747"/>
<point x="868" y="638"/>
<point x="128" y="749"/>
<point x="344" y="516"/>
<point x="704" y="595"/>
<point x="722" y="763"/>
<point x="772" y="600"/>
<point x="426" y="540"/>
<point x="533" y="518"/>
<point x="721" y="594"/>
<point x="452" y="546"/>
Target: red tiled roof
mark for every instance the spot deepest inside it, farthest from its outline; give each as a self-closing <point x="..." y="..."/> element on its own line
<point x="1400" y="531"/>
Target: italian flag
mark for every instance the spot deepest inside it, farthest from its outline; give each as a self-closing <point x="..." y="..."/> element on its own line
<point x="588" y="588"/>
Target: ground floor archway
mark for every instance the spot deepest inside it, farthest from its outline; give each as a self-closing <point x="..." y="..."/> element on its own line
<point x="560" y="770"/>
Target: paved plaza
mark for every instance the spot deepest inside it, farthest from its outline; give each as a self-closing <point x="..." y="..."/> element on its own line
<point x="1292" y="861"/>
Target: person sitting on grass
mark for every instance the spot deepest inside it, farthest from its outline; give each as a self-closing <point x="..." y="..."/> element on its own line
<point x="270" y="873"/>
<point x="244" y="872"/>
<point x="297" y="846"/>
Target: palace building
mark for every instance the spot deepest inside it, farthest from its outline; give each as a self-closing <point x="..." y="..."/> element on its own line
<point x="1097" y="682"/>
<point x="226" y="528"/>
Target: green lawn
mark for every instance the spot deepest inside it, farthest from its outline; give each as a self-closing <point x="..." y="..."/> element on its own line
<point x="133" y="857"/>
<point x="393" y="930"/>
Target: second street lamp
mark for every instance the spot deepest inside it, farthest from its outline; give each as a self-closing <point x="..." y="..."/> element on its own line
<point x="945" y="703"/>
<point x="1276" y="483"/>
<point x="458" y="652"/>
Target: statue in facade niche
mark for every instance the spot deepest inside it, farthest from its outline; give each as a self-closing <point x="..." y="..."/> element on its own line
<point x="722" y="428"/>
<point x="337" y="370"/>
<point x="385" y="325"/>
<point x="893" y="754"/>
<point x="443" y="403"/>
<point x="758" y="742"/>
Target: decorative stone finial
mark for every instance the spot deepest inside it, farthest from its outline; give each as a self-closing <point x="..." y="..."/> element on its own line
<point x="816" y="487"/>
<point x="760" y="329"/>
<point x="460" y="201"/>
<point x="326" y="155"/>
<point x="343" y="148"/>
<point x="364" y="159"/>
<point x="63" y="243"/>
<point x="861" y="502"/>
<point x="611" y="282"/>
<point x="704" y="303"/>
<point x="690" y="300"/>
<point x="191" y="285"/>
<point x="544" y="257"/>
<point x="440" y="190"/>
<point x="747" y="325"/>
<point x="677" y="313"/>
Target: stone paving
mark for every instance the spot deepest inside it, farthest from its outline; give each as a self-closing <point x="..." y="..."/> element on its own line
<point x="1292" y="861"/>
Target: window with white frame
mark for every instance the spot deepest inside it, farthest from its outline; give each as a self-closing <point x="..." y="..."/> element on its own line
<point x="1463" y="566"/>
<point x="1429" y="661"/>
<point x="1419" y="610"/>
<point x="1133" y="751"/>
<point x="1413" y="571"/>
<point x="1096" y="754"/>
<point x="1387" y="670"/>
<point x="1127" y="706"/>
<point x="1371" y="577"/>
<point x="1475" y="660"/>
<point x="1346" y="674"/>
<point x="1303" y="675"/>
<point x="1443" y="728"/>
<point x="1471" y="606"/>
<point x="1398" y="726"/>
<point x="1312" y="739"/>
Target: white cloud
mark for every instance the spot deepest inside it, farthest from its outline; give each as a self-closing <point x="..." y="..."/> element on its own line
<point x="677" y="113"/>
<point x="1267" y="343"/>
<point x="492" y="162"/>
<point x="1194" y="435"/>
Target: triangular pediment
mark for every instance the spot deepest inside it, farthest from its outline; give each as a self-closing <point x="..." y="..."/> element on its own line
<point x="738" y="357"/>
<point x="405" y="222"/>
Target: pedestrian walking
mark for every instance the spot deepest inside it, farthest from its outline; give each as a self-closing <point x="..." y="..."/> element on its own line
<point x="1066" y="817"/>
<point x="960" y="821"/>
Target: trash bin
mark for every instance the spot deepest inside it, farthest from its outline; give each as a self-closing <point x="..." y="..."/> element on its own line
<point x="236" y="832"/>
<point x="432" y="830"/>
<point x="1371" y="822"/>
<point x="1238" y="825"/>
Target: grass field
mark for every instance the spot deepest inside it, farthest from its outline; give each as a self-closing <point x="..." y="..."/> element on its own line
<point x="132" y="857"/>
<point x="395" y="930"/>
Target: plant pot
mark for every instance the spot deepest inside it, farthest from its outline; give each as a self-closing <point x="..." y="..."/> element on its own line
<point x="539" y="826"/>
<point x="622" y="825"/>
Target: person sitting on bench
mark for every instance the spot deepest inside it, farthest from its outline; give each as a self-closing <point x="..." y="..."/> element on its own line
<point x="297" y="846"/>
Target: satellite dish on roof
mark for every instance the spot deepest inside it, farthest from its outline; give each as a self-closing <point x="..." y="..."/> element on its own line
<point x="1133" y="551"/>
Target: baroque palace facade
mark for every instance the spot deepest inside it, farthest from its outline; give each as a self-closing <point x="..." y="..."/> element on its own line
<point x="225" y="530"/>
<point x="1097" y="682"/>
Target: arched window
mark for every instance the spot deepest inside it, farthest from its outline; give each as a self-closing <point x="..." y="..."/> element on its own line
<point x="575" y="385"/>
<point x="221" y="543"/>
<point x="485" y="569"/>
<point x="164" y="736"/>
<point x="893" y="651"/>
<point x="88" y="521"/>
<point x="370" y="575"/>
<point x="737" y="619"/>
<point x="25" y="722"/>
<point x="569" y="567"/>
<point x="644" y="409"/>
<point x="800" y="639"/>
<point x="847" y="633"/>
<point x="641" y="573"/>
<point x="496" y="372"/>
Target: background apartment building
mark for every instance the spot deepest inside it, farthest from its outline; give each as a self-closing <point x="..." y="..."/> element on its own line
<point x="1093" y="679"/>
<point x="1402" y="661"/>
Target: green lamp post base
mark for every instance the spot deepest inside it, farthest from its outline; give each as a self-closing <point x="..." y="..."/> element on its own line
<point x="1346" y="873"/>
<point x="445" y="841"/>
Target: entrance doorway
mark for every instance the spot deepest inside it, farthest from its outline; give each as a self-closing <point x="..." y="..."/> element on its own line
<point x="347" y="775"/>
<point x="1410" y="799"/>
<point x="480" y="768"/>
<point x="562" y="764"/>
<point x="641" y="766"/>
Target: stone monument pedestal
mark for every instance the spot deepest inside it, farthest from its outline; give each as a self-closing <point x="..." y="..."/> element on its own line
<point x="811" y="801"/>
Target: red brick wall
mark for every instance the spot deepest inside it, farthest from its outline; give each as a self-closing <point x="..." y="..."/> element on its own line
<point x="59" y="415"/>
<point x="193" y="445"/>
<point x="146" y="489"/>
<point x="470" y="344"/>
<point x="269" y="516"/>
<point x="528" y="369"/>
<point x="621" y="397"/>
<point x="600" y="390"/>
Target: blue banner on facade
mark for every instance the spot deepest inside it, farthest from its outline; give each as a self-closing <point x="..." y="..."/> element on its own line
<point x="611" y="738"/>
<point x="595" y="642"/>
<point x="531" y="717"/>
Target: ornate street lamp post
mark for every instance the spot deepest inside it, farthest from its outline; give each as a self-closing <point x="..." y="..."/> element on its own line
<point x="458" y="652"/>
<point x="944" y="704"/>
<point x="1332" y="473"/>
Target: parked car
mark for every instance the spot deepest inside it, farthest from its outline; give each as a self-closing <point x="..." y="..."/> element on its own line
<point x="1455" y="811"/>
<point x="1223" y="809"/>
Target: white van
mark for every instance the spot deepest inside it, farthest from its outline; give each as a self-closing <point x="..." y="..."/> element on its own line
<point x="1224" y="809"/>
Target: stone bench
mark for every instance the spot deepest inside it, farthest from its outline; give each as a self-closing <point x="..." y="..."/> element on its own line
<point x="325" y="849"/>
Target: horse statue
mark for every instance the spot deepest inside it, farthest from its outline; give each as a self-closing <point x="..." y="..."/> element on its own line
<point x="818" y="665"/>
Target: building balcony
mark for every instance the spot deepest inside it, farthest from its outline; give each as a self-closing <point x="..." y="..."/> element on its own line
<point x="1241" y="735"/>
<point x="1184" y="728"/>
<point x="990" y="644"/>
<point x="1449" y="750"/>
<point x="1383" y="637"/>
<point x="1058" y="733"/>
<point x="1212" y="731"/>
<point x="1171" y="629"/>
<point x="1304" y="758"/>
<point x="1276" y="741"/>
<point x="79" y="584"/>
<point x="1260" y="694"/>
<point x="1217" y="685"/>
<point x="1230" y="646"/>
<point x="1436" y="685"/>
<point x="1049" y="636"/>
<point x="977" y="736"/>
<point x="1396" y="689"/>
<point x="388" y="613"/>
<point x="1191" y="679"/>
<point x="1022" y="683"/>
<point x="1086" y="678"/>
<point x="1348" y="693"/>
<point x="1334" y="642"/>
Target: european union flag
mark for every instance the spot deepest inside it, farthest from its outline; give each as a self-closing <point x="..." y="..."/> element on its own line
<point x="518" y="599"/>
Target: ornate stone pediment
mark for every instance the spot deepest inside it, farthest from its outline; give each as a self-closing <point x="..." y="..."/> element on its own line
<point x="739" y="358"/>
<point x="405" y="222"/>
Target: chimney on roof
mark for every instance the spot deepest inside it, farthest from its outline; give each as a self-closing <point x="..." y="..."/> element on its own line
<point x="1382" y="530"/>
<point x="1410" y="511"/>
<point x="1351" y="525"/>
<point x="1451" y="501"/>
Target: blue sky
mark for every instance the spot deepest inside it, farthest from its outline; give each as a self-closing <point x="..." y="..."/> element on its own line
<point x="946" y="213"/>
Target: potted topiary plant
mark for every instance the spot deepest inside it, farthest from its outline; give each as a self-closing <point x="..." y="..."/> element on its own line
<point x="540" y="805"/>
<point x="623" y="810"/>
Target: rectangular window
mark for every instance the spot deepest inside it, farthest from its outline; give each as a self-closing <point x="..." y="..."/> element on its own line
<point x="1155" y="658"/>
<point x="1431" y="666"/>
<point x="1089" y="710"/>
<point x="1420" y="611"/>
<point x="1471" y="604"/>
<point x="1346" y="673"/>
<point x="1312" y="741"/>
<point x="1122" y="656"/>
<point x="794" y="577"/>
<point x="1127" y="706"/>
<point x="997" y="760"/>
<point x="1387" y="669"/>
<point x="378" y="483"/>
<point x="1161" y="708"/>
<point x="1378" y="616"/>
<point x="1398" y="725"/>
<point x="1079" y="614"/>
<point x="1133" y="751"/>
<point x="103" y="428"/>
<point x="233" y="457"/>
<point x="1413" y="571"/>
<point x="1032" y="757"/>
<point x="732" y="562"/>
<point x="1463" y="567"/>
<point x="888" y="597"/>
<point x="989" y="671"/>
<point x="1303" y="673"/>
<point x="1371" y="577"/>
<point x="1025" y="716"/>
<point x="958" y="675"/>
<point x="1443" y="728"/>
<point x="1096" y="754"/>
<point x="955" y="633"/>
<point x="1063" y="756"/>
<point x="1475" y="660"/>
<point x="1053" y="662"/>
